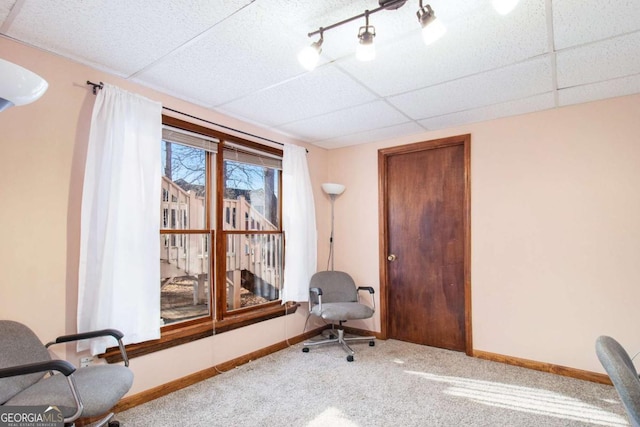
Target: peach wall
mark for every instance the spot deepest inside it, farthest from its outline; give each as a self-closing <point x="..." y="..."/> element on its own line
<point x="43" y="149"/>
<point x="555" y="225"/>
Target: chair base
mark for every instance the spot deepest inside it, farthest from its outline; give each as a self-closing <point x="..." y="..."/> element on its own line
<point x="340" y="339"/>
<point x="106" y="420"/>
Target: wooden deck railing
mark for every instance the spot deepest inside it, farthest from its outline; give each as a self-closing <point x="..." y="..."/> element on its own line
<point x="259" y="254"/>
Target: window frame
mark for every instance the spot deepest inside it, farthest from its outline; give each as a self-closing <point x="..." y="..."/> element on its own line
<point x="221" y="312"/>
<point x="219" y="320"/>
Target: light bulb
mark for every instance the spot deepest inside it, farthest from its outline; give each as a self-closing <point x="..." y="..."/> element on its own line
<point x="308" y="58"/>
<point x="309" y="55"/>
<point x="433" y="31"/>
<point x="366" y="50"/>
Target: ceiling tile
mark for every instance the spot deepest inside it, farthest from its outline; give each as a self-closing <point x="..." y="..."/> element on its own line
<point x="254" y="54"/>
<point x="608" y="59"/>
<point x="120" y="36"/>
<point x="5" y="9"/>
<point x="365" y="117"/>
<point x="521" y="106"/>
<point x="381" y="134"/>
<point x="601" y="90"/>
<point x="496" y="86"/>
<point x="311" y="94"/>
<point x="576" y="23"/>
<point x="473" y="43"/>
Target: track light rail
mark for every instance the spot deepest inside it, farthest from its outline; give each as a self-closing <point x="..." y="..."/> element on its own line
<point x="390" y="4"/>
<point x="432" y="29"/>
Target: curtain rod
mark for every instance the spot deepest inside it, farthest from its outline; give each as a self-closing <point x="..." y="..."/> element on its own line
<point x="98" y="86"/>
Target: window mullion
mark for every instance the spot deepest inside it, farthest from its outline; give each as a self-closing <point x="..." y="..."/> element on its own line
<point x="221" y="241"/>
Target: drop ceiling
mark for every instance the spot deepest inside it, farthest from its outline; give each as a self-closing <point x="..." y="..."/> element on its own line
<point x="239" y="57"/>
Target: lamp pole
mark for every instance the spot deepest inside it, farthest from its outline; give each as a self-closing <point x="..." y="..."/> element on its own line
<point x="333" y="199"/>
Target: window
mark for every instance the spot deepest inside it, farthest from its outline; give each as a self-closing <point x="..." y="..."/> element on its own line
<point x="221" y="240"/>
<point x="252" y="230"/>
<point x="184" y="261"/>
<point x="213" y="271"/>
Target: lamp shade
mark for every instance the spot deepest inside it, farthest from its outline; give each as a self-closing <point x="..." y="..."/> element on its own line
<point x="331" y="188"/>
<point x="19" y="86"/>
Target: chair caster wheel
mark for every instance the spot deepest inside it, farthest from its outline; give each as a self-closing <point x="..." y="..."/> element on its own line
<point x="349" y="358"/>
<point x="372" y="343"/>
<point x="305" y="349"/>
<point x="114" y="424"/>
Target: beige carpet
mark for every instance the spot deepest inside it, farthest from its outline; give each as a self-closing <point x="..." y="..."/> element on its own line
<point x="391" y="384"/>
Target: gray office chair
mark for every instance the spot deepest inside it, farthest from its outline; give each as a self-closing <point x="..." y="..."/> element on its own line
<point x="623" y="374"/>
<point x="333" y="296"/>
<point x="30" y="377"/>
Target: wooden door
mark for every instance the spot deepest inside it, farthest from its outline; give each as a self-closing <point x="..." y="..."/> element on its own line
<point x="425" y="243"/>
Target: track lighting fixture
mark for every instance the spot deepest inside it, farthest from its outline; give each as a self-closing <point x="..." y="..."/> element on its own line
<point x="366" y="50"/>
<point x="309" y="56"/>
<point x="432" y="29"/>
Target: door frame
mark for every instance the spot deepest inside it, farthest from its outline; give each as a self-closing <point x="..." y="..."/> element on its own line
<point x="383" y="155"/>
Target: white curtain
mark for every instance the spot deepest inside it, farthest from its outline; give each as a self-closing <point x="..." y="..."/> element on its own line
<point x="299" y="224"/>
<point x="119" y="272"/>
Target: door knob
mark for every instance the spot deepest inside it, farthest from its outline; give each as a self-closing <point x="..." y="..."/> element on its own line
<point x="391" y="257"/>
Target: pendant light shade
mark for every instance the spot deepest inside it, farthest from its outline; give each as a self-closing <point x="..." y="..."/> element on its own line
<point x="19" y="86"/>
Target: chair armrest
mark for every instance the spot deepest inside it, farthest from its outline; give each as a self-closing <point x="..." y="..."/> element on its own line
<point x="318" y="293"/>
<point x="371" y="292"/>
<point x="86" y="335"/>
<point x="61" y="366"/>
<point x="95" y="334"/>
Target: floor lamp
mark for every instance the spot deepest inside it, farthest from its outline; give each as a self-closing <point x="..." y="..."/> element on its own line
<point x="333" y="190"/>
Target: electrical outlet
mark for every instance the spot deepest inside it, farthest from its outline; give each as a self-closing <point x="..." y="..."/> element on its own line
<point x="85" y="361"/>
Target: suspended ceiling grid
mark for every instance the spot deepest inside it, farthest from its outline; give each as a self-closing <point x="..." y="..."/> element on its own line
<point x="239" y="57"/>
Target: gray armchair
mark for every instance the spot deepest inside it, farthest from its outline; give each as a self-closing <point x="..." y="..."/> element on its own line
<point x="333" y="296"/>
<point x="623" y="374"/>
<point x="30" y="377"/>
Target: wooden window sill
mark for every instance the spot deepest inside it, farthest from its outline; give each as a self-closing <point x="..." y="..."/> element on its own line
<point x="179" y="336"/>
